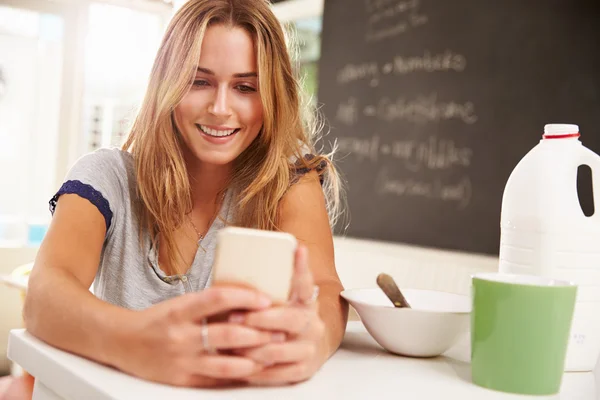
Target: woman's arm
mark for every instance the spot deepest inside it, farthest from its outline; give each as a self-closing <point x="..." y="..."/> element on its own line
<point x="164" y="343"/>
<point x="314" y="331"/>
<point x="303" y="214"/>
<point x="59" y="308"/>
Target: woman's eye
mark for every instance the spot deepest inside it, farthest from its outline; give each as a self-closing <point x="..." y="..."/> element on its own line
<point x="200" y="83"/>
<point x="245" y="89"/>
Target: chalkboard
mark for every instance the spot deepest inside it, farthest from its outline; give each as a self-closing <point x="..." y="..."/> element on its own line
<point x="433" y="103"/>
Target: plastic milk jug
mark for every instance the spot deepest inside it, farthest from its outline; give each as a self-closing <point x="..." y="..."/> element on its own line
<point x="544" y="231"/>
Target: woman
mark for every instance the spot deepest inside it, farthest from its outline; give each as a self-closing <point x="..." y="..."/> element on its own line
<point x="218" y="140"/>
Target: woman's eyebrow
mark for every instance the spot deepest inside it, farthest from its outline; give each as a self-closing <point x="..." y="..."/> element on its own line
<point x="238" y="75"/>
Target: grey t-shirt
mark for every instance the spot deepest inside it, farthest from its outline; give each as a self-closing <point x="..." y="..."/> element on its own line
<point x="128" y="274"/>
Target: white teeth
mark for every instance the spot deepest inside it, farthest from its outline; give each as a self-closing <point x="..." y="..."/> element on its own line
<point x="214" y="132"/>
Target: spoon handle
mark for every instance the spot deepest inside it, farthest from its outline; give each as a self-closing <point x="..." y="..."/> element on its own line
<point x="389" y="287"/>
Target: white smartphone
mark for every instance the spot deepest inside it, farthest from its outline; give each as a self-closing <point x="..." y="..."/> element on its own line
<point x="257" y="258"/>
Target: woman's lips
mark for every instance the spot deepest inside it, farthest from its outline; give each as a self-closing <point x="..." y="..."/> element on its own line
<point x="217" y="139"/>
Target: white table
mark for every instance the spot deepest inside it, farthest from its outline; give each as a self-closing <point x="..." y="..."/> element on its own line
<point x="359" y="370"/>
<point x="17" y="282"/>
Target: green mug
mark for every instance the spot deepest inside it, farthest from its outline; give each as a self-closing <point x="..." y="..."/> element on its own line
<point x="520" y="328"/>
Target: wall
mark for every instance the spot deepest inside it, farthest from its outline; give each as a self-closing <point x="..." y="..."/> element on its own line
<point x="360" y="261"/>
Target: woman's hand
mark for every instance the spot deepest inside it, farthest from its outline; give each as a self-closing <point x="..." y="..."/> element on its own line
<point x="298" y="358"/>
<point x="172" y="343"/>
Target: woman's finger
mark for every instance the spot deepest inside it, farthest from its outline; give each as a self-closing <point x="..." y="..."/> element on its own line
<point x="302" y="280"/>
<point x="279" y="353"/>
<point x="201" y="381"/>
<point x="280" y="374"/>
<point x="224" y="366"/>
<point x="292" y="320"/>
<point x="232" y="336"/>
<point x="219" y="299"/>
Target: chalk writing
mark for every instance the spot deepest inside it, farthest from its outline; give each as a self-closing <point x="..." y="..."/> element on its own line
<point x="360" y="148"/>
<point x="446" y="61"/>
<point x="428" y="62"/>
<point x="458" y="191"/>
<point x="347" y="112"/>
<point x="422" y="109"/>
<point x="355" y="72"/>
<point x="390" y="18"/>
<point x="430" y="154"/>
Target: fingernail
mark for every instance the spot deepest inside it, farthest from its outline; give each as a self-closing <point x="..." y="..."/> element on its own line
<point x="236" y="318"/>
<point x="278" y="337"/>
<point x="303" y="257"/>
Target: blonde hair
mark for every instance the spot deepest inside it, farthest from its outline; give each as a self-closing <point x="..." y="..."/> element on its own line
<point x="264" y="171"/>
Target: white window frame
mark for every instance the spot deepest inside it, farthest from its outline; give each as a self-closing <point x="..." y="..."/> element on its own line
<point x="292" y="10"/>
<point x="75" y="14"/>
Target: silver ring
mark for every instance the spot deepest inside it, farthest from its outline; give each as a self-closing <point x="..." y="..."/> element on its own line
<point x="314" y="296"/>
<point x="204" y="334"/>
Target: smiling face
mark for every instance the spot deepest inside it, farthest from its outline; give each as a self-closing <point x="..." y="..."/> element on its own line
<point x="222" y="113"/>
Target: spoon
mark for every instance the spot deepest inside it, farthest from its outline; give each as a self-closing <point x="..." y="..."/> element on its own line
<point x="389" y="287"/>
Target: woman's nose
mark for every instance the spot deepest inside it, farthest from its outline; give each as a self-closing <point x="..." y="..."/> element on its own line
<point x="220" y="104"/>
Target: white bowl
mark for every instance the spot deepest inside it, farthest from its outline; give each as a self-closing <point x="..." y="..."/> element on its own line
<point x="435" y="323"/>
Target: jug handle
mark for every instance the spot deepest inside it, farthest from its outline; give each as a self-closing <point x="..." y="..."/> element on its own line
<point x="591" y="159"/>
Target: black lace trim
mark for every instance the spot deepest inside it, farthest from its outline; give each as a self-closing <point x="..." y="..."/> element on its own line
<point x="301" y="170"/>
<point x="87" y="192"/>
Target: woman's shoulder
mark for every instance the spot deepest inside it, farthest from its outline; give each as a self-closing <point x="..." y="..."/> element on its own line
<point x="106" y="167"/>
<point x="309" y="161"/>
<point x="106" y="159"/>
<point x="105" y="177"/>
